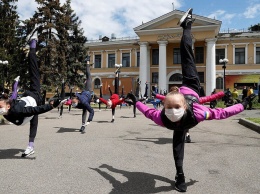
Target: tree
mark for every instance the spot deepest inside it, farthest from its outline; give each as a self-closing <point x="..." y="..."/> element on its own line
<point x="9" y="49"/>
<point x="255" y="27"/>
<point x="77" y="51"/>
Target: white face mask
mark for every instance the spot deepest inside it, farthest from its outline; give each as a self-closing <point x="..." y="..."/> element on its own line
<point x="109" y="103"/>
<point x="174" y="114"/>
<point x="74" y="104"/>
<point x="3" y="111"/>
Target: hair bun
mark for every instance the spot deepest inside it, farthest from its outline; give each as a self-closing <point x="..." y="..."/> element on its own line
<point x="174" y="89"/>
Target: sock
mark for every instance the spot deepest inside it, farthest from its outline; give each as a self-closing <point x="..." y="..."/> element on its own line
<point x="31" y="144"/>
<point x="33" y="43"/>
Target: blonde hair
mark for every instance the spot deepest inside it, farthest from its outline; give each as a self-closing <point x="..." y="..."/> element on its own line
<point x="174" y="91"/>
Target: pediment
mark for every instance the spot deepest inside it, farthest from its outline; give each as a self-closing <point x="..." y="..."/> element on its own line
<point x="169" y="22"/>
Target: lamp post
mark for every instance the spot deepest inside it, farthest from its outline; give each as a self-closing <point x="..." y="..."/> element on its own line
<point x="224" y="62"/>
<point x="3" y="71"/>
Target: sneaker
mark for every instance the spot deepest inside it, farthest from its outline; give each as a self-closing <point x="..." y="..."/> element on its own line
<point x="118" y="65"/>
<point x="82" y="129"/>
<point x="29" y="151"/>
<point x="118" y="68"/>
<point x="112" y="121"/>
<point x="188" y="15"/>
<point x="188" y="140"/>
<point x="33" y="35"/>
<point x="180" y="184"/>
<point x="17" y="78"/>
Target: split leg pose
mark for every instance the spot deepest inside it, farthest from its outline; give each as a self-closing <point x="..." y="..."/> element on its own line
<point x="182" y="110"/>
<point x="27" y="109"/>
<point x="114" y="99"/>
<point x="82" y="101"/>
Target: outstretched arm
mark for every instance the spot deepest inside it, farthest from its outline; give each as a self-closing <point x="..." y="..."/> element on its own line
<point x="150" y="113"/>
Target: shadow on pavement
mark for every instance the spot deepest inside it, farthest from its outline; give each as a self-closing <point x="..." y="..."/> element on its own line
<point x="12" y="154"/>
<point x="65" y="130"/>
<point x="138" y="182"/>
<point x="153" y="140"/>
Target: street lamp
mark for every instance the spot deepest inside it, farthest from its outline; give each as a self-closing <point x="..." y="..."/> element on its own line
<point x="3" y="72"/>
<point x="224" y="62"/>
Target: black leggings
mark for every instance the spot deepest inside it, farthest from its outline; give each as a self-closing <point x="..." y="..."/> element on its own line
<point x="191" y="80"/>
<point x="34" y="91"/>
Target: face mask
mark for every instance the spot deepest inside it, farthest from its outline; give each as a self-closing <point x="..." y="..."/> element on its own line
<point x="109" y="103"/>
<point x="74" y="104"/>
<point x="3" y="111"/>
<point x="174" y="114"/>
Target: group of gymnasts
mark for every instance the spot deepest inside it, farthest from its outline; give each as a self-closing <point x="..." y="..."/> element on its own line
<point x="182" y="108"/>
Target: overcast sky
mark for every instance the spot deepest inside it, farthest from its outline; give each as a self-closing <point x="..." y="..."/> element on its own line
<point x="104" y="17"/>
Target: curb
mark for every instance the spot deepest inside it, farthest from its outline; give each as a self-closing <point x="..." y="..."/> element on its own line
<point x="249" y="124"/>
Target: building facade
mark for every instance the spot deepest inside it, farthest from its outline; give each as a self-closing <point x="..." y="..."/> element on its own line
<point x="154" y="56"/>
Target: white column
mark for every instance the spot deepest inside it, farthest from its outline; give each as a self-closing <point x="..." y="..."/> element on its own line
<point x="210" y="66"/>
<point x="143" y="74"/>
<point x="162" y="65"/>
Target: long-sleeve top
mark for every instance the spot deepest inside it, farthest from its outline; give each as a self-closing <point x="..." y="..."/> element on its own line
<point x="201" y="112"/>
<point x="114" y="99"/>
<point x="21" y="111"/>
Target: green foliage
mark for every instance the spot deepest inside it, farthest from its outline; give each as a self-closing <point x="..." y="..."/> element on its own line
<point x="255" y="120"/>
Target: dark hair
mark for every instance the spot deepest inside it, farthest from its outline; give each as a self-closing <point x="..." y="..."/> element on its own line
<point x="4" y="97"/>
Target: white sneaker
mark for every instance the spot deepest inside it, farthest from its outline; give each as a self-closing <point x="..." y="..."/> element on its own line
<point x="118" y="65"/>
<point x="188" y="14"/>
<point x="17" y="78"/>
<point x="29" y="151"/>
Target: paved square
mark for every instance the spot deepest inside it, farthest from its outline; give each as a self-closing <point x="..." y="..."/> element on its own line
<point x="132" y="155"/>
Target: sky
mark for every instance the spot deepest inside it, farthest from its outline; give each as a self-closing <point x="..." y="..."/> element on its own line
<point x="104" y="17"/>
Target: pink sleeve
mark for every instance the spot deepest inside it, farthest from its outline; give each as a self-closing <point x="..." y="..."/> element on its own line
<point x="160" y="97"/>
<point x="204" y="113"/>
<point x="150" y="113"/>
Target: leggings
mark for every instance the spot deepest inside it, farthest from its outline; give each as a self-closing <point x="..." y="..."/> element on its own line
<point x="34" y="90"/>
<point x="62" y="96"/>
<point x="191" y="80"/>
<point x="88" y="82"/>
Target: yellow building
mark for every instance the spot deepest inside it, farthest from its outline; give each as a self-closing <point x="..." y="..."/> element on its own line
<point x="154" y="56"/>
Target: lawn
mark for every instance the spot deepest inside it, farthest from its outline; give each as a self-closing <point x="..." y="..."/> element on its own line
<point x="255" y="120"/>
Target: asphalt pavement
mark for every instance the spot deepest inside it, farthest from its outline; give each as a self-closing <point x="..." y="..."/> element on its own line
<point x="132" y="155"/>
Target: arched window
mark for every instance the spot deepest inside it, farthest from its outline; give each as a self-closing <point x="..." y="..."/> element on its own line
<point x="219" y="83"/>
<point x="97" y="83"/>
<point x="177" y="77"/>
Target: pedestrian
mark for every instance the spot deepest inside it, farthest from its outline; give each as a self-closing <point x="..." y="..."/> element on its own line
<point x="244" y="92"/>
<point x="27" y="109"/>
<point x="250" y="92"/>
<point x="213" y="103"/>
<point x="181" y="108"/>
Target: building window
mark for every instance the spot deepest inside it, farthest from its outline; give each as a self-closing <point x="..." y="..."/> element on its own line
<point x="111" y="60"/>
<point x="176" y="56"/>
<point x="155" y="57"/>
<point x="97" y="83"/>
<point x="155" y="77"/>
<point x="126" y="59"/>
<point x="177" y="77"/>
<point x="257" y="55"/>
<point x="199" y="54"/>
<point x="97" y="63"/>
<point x="219" y="83"/>
<point x="240" y="56"/>
<point x="138" y="59"/>
<point x="201" y="77"/>
<point x="220" y="54"/>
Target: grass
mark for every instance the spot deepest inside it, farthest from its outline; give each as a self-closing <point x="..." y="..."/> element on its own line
<point x="256" y="105"/>
<point x="255" y="120"/>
